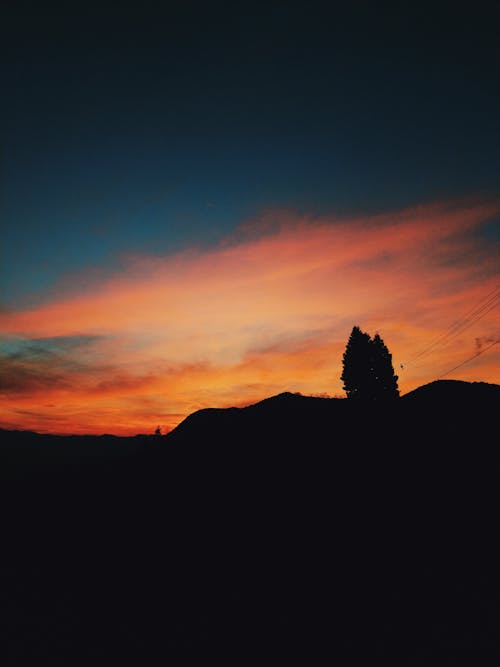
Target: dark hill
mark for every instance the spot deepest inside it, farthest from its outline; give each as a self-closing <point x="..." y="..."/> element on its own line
<point x="296" y="531"/>
<point x="448" y="409"/>
<point x="451" y="392"/>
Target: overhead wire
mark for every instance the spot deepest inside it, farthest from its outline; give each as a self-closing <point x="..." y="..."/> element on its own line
<point x="463" y="323"/>
<point x="469" y="359"/>
<point x="485" y="306"/>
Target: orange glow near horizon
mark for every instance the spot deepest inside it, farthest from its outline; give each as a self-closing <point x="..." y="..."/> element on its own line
<point x="270" y="310"/>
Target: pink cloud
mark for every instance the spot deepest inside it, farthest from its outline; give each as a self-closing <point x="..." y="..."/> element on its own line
<point x="268" y="310"/>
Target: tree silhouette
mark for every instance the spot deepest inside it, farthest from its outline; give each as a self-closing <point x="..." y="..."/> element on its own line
<point x="386" y="382"/>
<point x="368" y="373"/>
<point x="356" y="362"/>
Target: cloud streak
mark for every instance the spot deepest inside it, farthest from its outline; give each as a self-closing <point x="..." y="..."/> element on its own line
<point x="268" y="310"/>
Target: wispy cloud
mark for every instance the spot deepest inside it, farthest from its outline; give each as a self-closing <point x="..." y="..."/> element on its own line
<point x="268" y="310"/>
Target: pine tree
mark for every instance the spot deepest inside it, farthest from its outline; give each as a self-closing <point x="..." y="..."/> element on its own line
<point x="368" y="373"/>
<point x="386" y="382"/>
<point x="356" y="362"/>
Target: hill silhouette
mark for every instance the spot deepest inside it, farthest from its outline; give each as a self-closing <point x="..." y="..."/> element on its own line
<point x="294" y="531"/>
<point x="451" y="392"/>
<point x="441" y="409"/>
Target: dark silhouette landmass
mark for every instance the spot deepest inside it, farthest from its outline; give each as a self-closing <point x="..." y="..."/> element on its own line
<point x="296" y="531"/>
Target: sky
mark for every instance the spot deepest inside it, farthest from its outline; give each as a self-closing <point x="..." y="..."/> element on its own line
<point x="198" y="201"/>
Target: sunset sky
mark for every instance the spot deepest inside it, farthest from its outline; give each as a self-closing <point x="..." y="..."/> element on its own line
<point x="198" y="203"/>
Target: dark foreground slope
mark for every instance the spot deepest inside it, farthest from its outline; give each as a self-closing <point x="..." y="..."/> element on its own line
<point x="298" y="531"/>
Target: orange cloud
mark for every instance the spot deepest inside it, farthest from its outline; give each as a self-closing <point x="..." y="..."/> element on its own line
<point x="267" y="311"/>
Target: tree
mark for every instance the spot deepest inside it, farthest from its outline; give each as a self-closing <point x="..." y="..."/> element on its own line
<point x="386" y="381"/>
<point x="368" y="373"/>
<point x="356" y="361"/>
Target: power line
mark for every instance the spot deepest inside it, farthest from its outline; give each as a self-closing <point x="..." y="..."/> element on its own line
<point x="469" y="359"/>
<point x="491" y="301"/>
<point x="463" y="323"/>
<point x="468" y="323"/>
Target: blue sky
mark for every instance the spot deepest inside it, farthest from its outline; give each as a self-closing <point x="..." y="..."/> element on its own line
<point x="147" y="129"/>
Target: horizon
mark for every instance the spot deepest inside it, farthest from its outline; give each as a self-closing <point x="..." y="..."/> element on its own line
<point x="154" y="433"/>
<point x="199" y="203"/>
